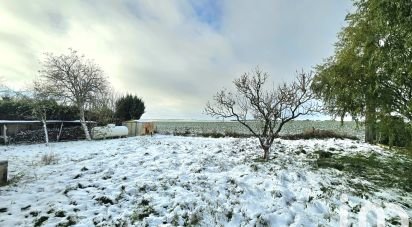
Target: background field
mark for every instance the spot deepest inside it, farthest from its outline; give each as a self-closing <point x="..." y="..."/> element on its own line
<point x="199" y="127"/>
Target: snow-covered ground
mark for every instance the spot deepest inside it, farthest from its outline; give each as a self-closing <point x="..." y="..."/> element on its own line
<point x="170" y="181"/>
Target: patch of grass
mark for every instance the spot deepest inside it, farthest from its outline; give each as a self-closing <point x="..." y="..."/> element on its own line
<point x="390" y="172"/>
<point x="313" y="134"/>
<point x="143" y="210"/>
<point x="40" y="221"/>
<point x="259" y="160"/>
<point x="70" y="222"/>
<point x="60" y="214"/>
<point x="407" y="151"/>
<point x="15" y="179"/>
<point x="229" y="215"/>
<point x="237" y="135"/>
<point x="193" y="219"/>
<point x="261" y="221"/>
<point x="185" y="133"/>
<point x="318" y="134"/>
<point x="34" y="213"/>
<point x="49" y="159"/>
<point x="323" y="154"/>
<point x="324" y="163"/>
<point x="141" y="214"/>
<point x="104" y="200"/>
<point x="254" y="167"/>
<point x="213" y="134"/>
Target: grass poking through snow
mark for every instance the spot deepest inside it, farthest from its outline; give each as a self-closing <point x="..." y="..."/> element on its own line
<point x="391" y="172"/>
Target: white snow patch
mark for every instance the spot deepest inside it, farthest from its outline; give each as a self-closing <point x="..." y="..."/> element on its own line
<point x="166" y="180"/>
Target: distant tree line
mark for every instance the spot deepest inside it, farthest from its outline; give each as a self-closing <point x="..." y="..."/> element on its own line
<point x="126" y="107"/>
<point x="18" y="108"/>
<point x="369" y="77"/>
<point x="71" y="87"/>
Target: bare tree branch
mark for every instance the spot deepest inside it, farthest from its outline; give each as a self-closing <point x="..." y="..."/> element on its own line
<point x="270" y="109"/>
<point x="73" y="78"/>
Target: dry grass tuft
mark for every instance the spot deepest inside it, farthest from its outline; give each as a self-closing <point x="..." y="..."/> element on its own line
<point x="49" y="158"/>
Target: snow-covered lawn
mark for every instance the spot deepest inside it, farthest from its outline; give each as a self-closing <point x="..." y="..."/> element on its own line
<point x="166" y="180"/>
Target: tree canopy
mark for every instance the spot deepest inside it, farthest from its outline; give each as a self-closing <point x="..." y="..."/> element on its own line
<point x="129" y="107"/>
<point x="370" y="74"/>
<point x="72" y="77"/>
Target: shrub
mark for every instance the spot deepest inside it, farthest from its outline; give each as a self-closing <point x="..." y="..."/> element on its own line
<point x="393" y="131"/>
<point x="129" y="107"/>
<point x="318" y="134"/>
<point x="49" y="158"/>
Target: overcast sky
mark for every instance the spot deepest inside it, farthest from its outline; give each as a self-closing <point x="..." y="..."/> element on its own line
<point x="173" y="54"/>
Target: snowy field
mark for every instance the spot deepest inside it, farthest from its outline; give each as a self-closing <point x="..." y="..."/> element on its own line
<point x="293" y="127"/>
<point x="183" y="181"/>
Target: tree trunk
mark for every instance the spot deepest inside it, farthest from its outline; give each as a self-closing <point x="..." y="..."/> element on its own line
<point x="60" y="132"/>
<point x="370" y="125"/>
<point x="3" y="172"/>
<point x="84" y="125"/>
<point x="266" y="153"/>
<point x="46" y="135"/>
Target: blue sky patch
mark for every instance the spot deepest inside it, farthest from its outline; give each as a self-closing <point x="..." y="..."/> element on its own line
<point x="208" y="12"/>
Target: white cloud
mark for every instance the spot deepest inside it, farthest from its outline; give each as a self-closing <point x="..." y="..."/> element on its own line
<point x="164" y="51"/>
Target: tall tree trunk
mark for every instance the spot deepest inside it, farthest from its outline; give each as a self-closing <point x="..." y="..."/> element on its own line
<point x="60" y="132"/>
<point x="84" y="125"/>
<point x="370" y="124"/>
<point x="46" y="135"/>
<point x="266" y="153"/>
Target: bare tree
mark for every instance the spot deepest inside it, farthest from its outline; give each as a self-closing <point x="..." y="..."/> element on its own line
<point x="42" y="105"/>
<point x="4" y="90"/>
<point x="111" y="98"/>
<point x="270" y="109"/>
<point x="103" y="106"/>
<point x="73" y="78"/>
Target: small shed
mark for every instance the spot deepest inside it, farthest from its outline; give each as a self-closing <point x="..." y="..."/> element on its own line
<point x="140" y="127"/>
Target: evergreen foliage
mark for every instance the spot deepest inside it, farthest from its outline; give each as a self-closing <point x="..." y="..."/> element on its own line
<point x="129" y="107"/>
<point x="22" y="109"/>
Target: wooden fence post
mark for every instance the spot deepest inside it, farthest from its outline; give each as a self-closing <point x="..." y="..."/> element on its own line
<point x="3" y="172"/>
<point x="60" y="132"/>
<point x="5" y="134"/>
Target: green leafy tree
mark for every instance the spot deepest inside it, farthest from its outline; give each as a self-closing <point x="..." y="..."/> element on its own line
<point x="129" y="107"/>
<point x="393" y="20"/>
<point x="369" y="75"/>
<point x="393" y="131"/>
